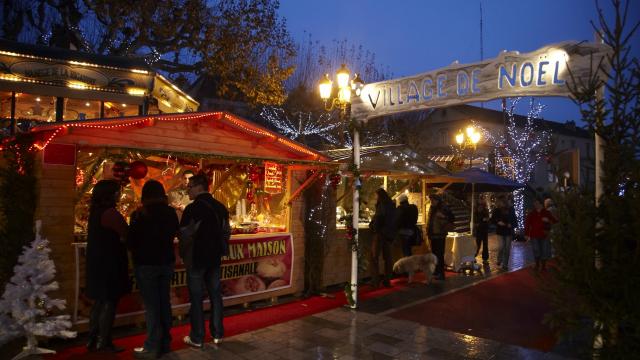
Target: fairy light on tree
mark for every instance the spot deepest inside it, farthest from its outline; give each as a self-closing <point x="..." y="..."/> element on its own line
<point x="303" y="125"/>
<point x="519" y="149"/>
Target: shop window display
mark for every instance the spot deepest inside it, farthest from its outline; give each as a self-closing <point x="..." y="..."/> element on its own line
<point x="368" y="198"/>
<point x="79" y="109"/>
<point x="240" y="186"/>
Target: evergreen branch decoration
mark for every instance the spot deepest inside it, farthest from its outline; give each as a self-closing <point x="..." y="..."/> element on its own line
<point x="18" y="199"/>
<point x="595" y="286"/>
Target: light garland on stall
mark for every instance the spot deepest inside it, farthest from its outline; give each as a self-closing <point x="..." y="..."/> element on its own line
<point x="150" y="120"/>
<point x="315" y="215"/>
<point x="525" y="144"/>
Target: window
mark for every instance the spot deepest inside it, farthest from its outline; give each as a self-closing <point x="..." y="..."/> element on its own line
<point x="79" y="109"/>
<point x="5" y="104"/>
<point x="32" y="108"/>
<point x="113" y="109"/>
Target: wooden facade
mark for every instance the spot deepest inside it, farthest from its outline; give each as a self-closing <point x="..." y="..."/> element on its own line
<point x="217" y="133"/>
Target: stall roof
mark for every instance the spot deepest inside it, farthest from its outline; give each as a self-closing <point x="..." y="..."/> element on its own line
<point x="394" y="160"/>
<point x="211" y="133"/>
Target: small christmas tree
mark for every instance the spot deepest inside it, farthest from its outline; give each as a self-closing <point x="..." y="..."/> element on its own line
<point x="25" y="306"/>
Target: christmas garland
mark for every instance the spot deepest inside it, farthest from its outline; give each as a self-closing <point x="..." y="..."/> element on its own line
<point x="351" y="231"/>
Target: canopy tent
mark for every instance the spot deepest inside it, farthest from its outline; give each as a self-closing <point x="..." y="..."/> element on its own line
<point x="396" y="160"/>
<point x="481" y="181"/>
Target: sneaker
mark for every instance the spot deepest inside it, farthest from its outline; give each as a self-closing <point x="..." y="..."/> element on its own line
<point x="142" y="353"/>
<point x="217" y="341"/>
<point x="187" y="340"/>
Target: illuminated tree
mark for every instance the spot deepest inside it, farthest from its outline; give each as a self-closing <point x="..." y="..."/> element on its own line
<point x="519" y="149"/>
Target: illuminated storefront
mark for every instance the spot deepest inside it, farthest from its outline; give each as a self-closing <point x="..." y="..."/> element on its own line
<point x="45" y="84"/>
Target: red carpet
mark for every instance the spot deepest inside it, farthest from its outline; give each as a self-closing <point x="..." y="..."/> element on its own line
<point x="244" y="322"/>
<point x="508" y="308"/>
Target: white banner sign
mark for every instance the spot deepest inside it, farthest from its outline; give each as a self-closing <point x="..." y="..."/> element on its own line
<point x="544" y="72"/>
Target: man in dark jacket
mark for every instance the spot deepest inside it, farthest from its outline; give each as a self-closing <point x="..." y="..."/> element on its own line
<point x="383" y="226"/>
<point x="407" y="218"/>
<point x="505" y="219"/>
<point x="204" y="271"/>
<point x="440" y="222"/>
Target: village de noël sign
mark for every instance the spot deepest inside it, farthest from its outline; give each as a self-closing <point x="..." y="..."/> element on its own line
<point x="545" y="72"/>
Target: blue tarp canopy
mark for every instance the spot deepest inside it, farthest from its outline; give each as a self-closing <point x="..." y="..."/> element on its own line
<point x="483" y="181"/>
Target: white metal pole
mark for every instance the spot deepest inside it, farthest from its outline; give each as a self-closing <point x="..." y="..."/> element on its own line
<point x="473" y="206"/>
<point x="356" y="218"/>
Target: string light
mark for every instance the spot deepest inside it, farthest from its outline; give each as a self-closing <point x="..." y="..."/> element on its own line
<point x="519" y="149"/>
<point x="150" y="120"/>
<point x="303" y="126"/>
<point x="318" y="212"/>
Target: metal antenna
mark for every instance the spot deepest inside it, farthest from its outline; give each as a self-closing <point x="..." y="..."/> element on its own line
<point x="481" y="40"/>
<point x="481" y="43"/>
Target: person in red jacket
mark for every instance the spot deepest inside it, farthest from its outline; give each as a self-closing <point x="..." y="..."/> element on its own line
<point x="536" y="228"/>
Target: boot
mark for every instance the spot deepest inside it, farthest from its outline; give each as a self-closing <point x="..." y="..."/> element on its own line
<point x="105" y="345"/>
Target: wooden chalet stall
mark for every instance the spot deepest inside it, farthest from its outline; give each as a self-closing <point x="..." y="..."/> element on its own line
<point x="394" y="168"/>
<point x="256" y="173"/>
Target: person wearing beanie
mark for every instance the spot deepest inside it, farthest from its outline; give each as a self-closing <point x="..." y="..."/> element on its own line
<point x="151" y="232"/>
<point x="407" y="218"/>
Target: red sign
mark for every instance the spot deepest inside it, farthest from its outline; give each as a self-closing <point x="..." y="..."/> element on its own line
<point x="272" y="178"/>
<point x="60" y="154"/>
<point x="256" y="264"/>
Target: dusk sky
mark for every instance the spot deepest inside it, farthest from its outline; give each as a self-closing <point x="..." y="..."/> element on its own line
<point x="416" y="36"/>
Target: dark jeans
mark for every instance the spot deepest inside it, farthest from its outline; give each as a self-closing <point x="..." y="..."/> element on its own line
<point x="103" y="313"/>
<point x="437" y="246"/>
<point x="154" y="283"/>
<point x="199" y="281"/>
<point x="482" y="239"/>
<point x="380" y="243"/>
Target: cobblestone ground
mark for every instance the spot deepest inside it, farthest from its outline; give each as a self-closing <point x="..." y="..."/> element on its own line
<point x="369" y="334"/>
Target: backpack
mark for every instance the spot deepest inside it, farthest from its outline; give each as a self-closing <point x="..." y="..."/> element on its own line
<point x="225" y="229"/>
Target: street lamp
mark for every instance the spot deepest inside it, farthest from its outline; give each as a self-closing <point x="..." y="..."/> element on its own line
<point x="343" y="102"/>
<point x="465" y="140"/>
<point x="468" y="140"/>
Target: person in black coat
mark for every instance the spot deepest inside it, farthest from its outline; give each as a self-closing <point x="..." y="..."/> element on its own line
<point x="482" y="230"/>
<point x="208" y="217"/>
<point x="407" y="218"/>
<point x="441" y="221"/>
<point x="107" y="275"/>
<point x="505" y="219"/>
<point x="383" y="226"/>
<point x="151" y="232"/>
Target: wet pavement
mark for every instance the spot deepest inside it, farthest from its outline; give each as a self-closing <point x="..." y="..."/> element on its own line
<point x="368" y="333"/>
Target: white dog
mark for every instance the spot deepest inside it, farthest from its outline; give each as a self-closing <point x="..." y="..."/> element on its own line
<point x="410" y="264"/>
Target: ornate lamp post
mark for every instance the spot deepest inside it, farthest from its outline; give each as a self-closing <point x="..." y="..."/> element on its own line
<point x="343" y="102"/>
<point x="468" y="140"/>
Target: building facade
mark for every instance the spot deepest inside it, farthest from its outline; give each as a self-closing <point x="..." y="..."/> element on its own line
<point x="569" y="161"/>
<point x="48" y="84"/>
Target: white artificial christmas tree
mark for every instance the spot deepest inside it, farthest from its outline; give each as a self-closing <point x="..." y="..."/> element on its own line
<point x="25" y="306"/>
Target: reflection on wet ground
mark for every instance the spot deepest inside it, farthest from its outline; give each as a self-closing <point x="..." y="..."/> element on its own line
<point x="369" y="334"/>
